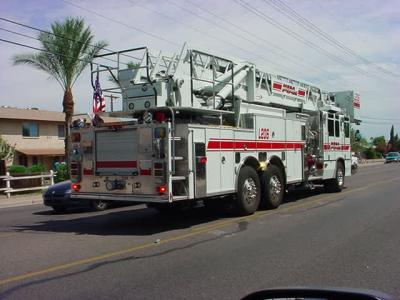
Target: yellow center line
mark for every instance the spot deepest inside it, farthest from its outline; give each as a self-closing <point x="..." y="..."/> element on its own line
<point x="193" y="232"/>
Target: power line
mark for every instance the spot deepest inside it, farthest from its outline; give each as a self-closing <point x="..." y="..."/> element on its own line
<point x="290" y="56"/>
<point x="156" y="36"/>
<point x="49" y="52"/>
<point x="308" y="43"/>
<point x="311" y="27"/>
<point x="51" y="33"/>
<point x="122" y="23"/>
<point x="37" y="39"/>
<point x="208" y="35"/>
<point x="283" y="67"/>
<point x="272" y="47"/>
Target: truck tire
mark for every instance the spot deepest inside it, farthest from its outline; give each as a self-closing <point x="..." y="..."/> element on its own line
<point x="335" y="185"/>
<point x="248" y="191"/>
<point x="272" y="187"/>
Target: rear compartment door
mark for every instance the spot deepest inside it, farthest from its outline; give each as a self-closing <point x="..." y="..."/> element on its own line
<point x="116" y="152"/>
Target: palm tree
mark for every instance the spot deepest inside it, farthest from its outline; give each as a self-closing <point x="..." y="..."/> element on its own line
<point x="67" y="50"/>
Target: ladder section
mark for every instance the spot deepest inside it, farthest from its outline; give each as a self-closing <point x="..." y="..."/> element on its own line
<point x="179" y="166"/>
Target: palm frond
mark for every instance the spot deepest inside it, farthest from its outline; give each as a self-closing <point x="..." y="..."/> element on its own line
<point x="67" y="51"/>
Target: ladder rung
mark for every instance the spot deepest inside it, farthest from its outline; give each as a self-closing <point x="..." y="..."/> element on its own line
<point x="178" y="177"/>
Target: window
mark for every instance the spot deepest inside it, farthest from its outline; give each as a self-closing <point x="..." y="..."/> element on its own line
<point x="346" y="129"/>
<point x="247" y="121"/>
<point x="30" y="129"/>
<point x="337" y="128"/>
<point x="61" y="131"/>
<point x="22" y="160"/>
<point x="331" y="129"/>
<point x="34" y="160"/>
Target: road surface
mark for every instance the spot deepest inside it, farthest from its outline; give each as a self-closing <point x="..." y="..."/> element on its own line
<point x="347" y="239"/>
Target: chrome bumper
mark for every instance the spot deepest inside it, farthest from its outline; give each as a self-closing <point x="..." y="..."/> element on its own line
<point x="120" y="197"/>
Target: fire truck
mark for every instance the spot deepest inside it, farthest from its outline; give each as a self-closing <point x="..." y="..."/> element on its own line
<point x="195" y="127"/>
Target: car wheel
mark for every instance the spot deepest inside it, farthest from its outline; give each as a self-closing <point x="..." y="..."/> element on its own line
<point x="272" y="187"/>
<point x="248" y="191"/>
<point x="100" y="205"/>
<point x="336" y="184"/>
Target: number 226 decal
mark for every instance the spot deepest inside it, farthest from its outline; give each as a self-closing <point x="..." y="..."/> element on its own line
<point x="263" y="133"/>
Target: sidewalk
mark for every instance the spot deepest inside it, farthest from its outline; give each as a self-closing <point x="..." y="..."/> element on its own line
<point x="20" y="200"/>
<point x="371" y="162"/>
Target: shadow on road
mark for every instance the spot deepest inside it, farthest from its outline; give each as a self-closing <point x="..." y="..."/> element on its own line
<point x="137" y="220"/>
<point x="131" y="221"/>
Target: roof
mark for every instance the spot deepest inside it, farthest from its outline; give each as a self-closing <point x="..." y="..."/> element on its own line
<point x="42" y="151"/>
<point x="30" y="114"/>
<point x="35" y="114"/>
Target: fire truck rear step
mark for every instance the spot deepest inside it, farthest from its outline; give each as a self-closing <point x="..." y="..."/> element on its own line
<point x="176" y="178"/>
<point x="177" y="198"/>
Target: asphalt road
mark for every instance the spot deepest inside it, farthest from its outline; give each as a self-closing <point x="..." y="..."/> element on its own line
<point x="349" y="239"/>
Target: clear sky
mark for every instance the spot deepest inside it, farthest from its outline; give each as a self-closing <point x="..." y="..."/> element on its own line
<point x="366" y="60"/>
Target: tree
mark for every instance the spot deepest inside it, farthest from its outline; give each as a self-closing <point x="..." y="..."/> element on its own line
<point x="380" y="144"/>
<point x="391" y="133"/>
<point x="6" y="150"/>
<point x="67" y="50"/>
<point x="358" y="144"/>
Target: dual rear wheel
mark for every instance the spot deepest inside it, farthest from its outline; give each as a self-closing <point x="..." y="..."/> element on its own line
<point x="254" y="190"/>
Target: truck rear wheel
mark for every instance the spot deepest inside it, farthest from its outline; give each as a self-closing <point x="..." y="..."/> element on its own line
<point x="272" y="187"/>
<point x="248" y="191"/>
<point x="336" y="184"/>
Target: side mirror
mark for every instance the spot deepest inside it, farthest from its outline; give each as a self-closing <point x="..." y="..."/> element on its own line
<point x="317" y="294"/>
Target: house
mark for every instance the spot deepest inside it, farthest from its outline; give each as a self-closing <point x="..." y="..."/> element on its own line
<point x="38" y="135"/>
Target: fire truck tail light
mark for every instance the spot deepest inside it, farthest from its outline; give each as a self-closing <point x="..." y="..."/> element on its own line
<point x="202" y="160"/>
<point x="162" y="189"/>
<point x="75" y="187"/>
<point x="160" y="117"/>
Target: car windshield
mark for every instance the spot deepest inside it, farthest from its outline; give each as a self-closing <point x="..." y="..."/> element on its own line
<point x="391" y="154"/>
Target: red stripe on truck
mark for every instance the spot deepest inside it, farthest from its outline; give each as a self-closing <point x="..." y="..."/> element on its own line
<point x="232" y="145"/>
<point x="117" y="164"/>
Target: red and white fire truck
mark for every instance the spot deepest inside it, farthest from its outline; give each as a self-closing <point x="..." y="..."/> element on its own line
<point x="194" y="126"/>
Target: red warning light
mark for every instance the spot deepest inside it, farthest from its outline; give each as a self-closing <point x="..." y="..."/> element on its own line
<point x="162" y="189"/>
<point x="76" y="187"/>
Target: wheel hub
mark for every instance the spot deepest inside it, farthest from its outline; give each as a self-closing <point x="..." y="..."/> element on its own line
<point x="340" y="177"/>
<point x="249" y="190"/>
<point x="275" y="187"/>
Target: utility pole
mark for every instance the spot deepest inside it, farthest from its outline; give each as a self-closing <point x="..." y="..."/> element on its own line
<point x="112" y="97"/>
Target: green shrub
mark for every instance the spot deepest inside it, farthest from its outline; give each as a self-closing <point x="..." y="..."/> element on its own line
<point x="371" y="153"/>
<point x="39" y="168"/>
<point x="62" y="173"/>
<point x="17" y="169"/>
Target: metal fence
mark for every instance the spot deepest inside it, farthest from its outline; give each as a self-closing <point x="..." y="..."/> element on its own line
<point x="46" y="181"/>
